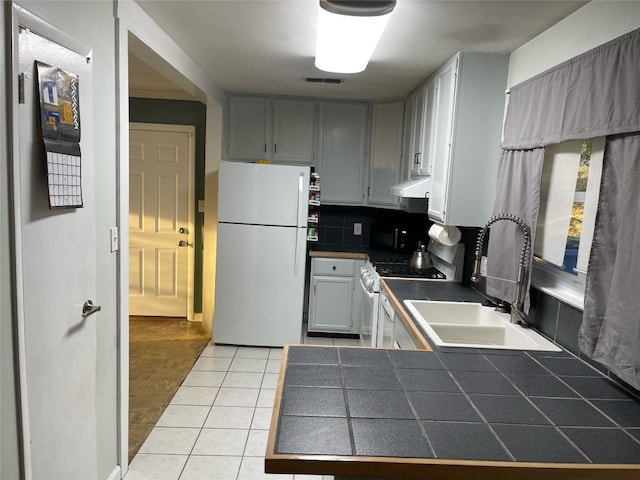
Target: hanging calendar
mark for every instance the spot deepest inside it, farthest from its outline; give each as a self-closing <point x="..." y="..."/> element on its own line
<point x="60" y="128"/>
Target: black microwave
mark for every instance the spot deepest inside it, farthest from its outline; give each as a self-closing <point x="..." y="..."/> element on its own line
<point x="389" y="238"/>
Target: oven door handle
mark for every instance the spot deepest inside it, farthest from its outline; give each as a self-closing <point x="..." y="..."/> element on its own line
<point x="365" y="291"/>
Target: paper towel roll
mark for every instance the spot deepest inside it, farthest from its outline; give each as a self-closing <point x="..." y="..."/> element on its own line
<point x="444" y="234"/>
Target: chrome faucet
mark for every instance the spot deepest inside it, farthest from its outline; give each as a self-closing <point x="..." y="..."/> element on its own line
<point x="517" y="314"/>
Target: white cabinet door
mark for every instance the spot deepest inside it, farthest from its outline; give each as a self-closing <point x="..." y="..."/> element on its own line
<point x="407" y="137"/>
<point x="386" y="152"/>
<point x="294" y="126"/>
<point x="428" y="120"/>
<point x="469" y="105"/>
<point x="330" y="304"/>
<point x="342" y="151"/>
<point x="401" y="337"/>
<point x="248" y="127"/>
<point x="441" y="157"/>
<point x="416" y="136"/>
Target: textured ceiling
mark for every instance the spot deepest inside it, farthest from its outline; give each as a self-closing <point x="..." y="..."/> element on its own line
<point x="267" y="46"/>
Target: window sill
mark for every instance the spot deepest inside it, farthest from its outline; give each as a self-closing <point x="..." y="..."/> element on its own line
<point x="559" y="285"/>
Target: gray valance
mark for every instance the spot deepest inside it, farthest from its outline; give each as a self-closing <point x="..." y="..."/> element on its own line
<point x="594" y="94"/>
<point x="591" y="95"/>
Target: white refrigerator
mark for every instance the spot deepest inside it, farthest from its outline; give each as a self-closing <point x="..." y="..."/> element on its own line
<point x="261" y="257"/>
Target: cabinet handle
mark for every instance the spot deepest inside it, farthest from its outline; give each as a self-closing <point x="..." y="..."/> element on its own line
<point x="418" y="158"/>
<point x="265" y="148"/>
<point x="314" y="290"/>
<point x="275" y="148"/>
<point x="333" y="268"/>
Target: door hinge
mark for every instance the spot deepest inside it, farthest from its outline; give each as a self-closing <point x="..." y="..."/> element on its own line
<point x="21" y="88"/>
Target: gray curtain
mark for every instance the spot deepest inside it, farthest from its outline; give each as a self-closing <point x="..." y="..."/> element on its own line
<point x="594" y="94"/>
<point x="610" y="332"/>
<point x="518" y="192"/>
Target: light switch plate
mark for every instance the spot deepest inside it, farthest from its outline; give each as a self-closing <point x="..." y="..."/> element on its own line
<point x="200" y="206"/>
<point x="113" y="234"/>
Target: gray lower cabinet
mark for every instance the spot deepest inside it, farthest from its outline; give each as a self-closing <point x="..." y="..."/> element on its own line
<point x="333" y="307"/>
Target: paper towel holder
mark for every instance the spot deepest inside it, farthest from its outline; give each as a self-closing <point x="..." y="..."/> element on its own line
<point x="445" y="234"/>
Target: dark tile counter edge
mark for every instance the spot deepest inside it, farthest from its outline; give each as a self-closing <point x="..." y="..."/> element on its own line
<point x="439" y="469"/>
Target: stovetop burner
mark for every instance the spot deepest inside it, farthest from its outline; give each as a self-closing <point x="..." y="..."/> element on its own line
<point x="400" y="268"/>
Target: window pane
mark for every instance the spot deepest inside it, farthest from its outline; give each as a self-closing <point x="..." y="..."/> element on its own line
<point x="590" y="203"/>
<point x="557" y="194"/>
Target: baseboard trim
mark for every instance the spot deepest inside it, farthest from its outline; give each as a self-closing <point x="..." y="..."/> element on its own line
<point x="116" y="474"/>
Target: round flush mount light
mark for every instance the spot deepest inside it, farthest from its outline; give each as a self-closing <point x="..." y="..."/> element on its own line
<point x="364" y="8"/>
<point x="348" y="32"/>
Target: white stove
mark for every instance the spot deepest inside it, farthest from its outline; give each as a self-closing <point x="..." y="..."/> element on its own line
<point x="448" y="263"/>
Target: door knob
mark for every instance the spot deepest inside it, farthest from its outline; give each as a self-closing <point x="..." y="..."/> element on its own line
<point x="89" y="308"/>
<point x="183" y="230"/>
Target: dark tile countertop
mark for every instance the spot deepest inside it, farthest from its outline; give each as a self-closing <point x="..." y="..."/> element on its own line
<point x="450" y="414"/>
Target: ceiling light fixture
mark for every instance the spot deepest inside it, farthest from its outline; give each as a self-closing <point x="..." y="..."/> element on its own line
<point x="348" y="32"/>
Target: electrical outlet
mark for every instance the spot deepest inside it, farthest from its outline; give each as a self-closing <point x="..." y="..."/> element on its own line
<point x="483" y="266"/>
<point x="357" y="229"/>
<point x="113" y="234"/>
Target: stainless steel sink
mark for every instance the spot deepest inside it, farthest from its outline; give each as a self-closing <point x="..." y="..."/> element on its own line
<point x="462" y="324"/>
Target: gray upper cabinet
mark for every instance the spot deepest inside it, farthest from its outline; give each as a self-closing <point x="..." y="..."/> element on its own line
<point x="248" y="127"/>
<point x="469" y="108"/>
<point x="279" y="129"/>
<point x="386" y="152"/>
<point x="294" y="127"/>
<point x="342" y="151"/>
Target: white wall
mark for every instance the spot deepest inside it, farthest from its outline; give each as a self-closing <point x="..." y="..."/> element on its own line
<point x="594" y="24"/>
<point x="175" y="62"/>
<point x="212" y="166"/>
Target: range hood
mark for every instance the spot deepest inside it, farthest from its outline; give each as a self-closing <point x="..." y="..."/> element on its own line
<point x="413" y="188"/>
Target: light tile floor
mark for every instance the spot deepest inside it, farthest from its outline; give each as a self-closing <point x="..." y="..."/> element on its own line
<point x="217" y="424"/>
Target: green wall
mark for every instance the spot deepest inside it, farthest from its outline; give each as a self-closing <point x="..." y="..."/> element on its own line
<point x="180" y="112"/>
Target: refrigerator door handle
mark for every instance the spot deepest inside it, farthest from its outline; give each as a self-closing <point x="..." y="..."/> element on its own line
<point x="301" y="221"/>
<point x="301" y="201"/>
<point x="296" y="253"/>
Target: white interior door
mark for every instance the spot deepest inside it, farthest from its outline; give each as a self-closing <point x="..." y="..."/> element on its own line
<point x="56" y="274"/>
<point x="161" y="220"/>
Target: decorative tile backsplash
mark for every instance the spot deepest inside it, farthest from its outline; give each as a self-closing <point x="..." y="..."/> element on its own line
<point x="336" y="225"/>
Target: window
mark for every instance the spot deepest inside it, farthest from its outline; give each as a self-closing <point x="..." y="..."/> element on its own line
<point x="568" y="203"/>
